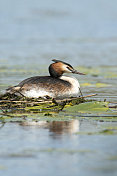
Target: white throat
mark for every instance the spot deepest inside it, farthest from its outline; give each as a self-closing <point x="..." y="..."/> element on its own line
<point x="74" y="90"/>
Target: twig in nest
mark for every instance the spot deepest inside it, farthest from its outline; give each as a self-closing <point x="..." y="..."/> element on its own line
<point x="80" y="92"/>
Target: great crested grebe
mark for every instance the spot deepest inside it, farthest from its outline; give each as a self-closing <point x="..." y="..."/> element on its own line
<point x="55" y="85"/>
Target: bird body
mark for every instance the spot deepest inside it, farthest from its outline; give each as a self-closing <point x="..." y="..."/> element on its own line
<point x="56" y="85"/>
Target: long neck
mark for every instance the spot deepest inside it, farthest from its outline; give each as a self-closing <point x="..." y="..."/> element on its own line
<point x="72" y="80"/>
<point x="54" y="73"/>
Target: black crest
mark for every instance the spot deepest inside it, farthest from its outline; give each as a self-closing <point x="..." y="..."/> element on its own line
<point x="54" y="60"/>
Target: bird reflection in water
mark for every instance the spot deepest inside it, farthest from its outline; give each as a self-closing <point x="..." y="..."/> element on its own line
<point x="55" y="127"/>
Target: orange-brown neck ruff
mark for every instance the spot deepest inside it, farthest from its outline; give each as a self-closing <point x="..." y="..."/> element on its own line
<point x="56" y="69"/>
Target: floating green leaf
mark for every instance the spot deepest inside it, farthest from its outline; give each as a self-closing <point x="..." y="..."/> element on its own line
<point x="89" y="107"/>
<point x="103" y="132"/>
<point x="94" y="85"/>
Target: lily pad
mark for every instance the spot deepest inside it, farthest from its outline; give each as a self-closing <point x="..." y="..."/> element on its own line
<point x="103" y="132"/>
<point x="94" y="85"/>
<point x="89" y="107"/>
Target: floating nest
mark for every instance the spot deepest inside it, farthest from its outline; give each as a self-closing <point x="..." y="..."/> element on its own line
<point x="12" y="102"/>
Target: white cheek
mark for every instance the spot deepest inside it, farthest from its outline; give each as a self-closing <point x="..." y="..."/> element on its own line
<point x="64" y="67"/>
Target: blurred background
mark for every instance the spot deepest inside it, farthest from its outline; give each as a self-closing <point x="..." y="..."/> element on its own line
<point x="80" y="32"/>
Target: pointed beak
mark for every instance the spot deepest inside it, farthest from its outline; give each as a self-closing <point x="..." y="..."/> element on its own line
<point x="76" y="72"/>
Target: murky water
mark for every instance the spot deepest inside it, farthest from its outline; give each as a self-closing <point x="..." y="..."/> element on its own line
<point x="83" y="33"/>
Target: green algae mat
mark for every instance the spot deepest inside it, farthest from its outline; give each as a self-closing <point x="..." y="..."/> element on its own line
<point x="14" y="106"/>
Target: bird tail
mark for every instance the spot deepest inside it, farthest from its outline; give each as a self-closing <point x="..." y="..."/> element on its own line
<point x="13" y="89"/>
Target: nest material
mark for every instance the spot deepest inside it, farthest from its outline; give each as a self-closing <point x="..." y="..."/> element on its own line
<point x="13" y="102"/>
